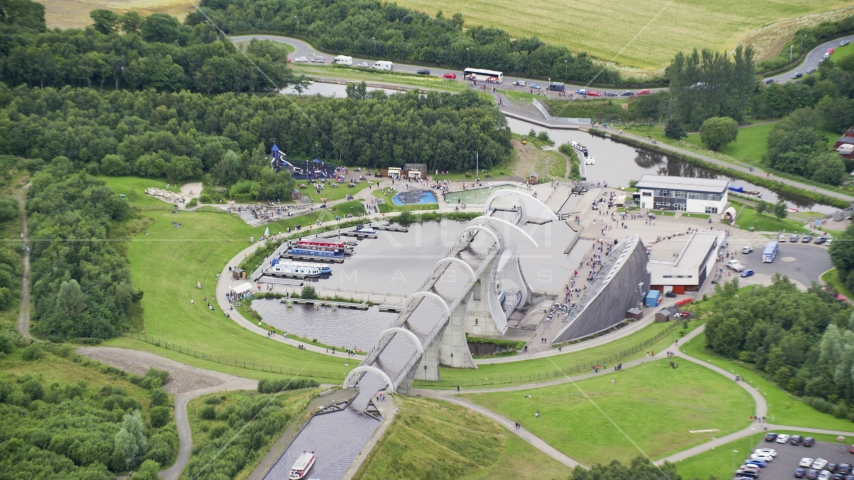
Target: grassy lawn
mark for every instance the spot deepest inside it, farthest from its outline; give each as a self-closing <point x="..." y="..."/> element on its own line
<point x="452" y="442"/>
<point x="749" y="146"/>
<point x="719" y="462"/>
<point x="648" y="410"/>
<point x="539" y="370"/>
<point x="168" y="262"/>
<point x="333" y="193"/>
<point x="832" y="278"/>
<point x="783" y="409"/>
<point x="664" y="213"/>
<point x="696" y="215"/>
<point x="373" y="76"/>
<point x="672" y="28"/>
<point x="134" y="189"/>
<point x="766" y="223"/>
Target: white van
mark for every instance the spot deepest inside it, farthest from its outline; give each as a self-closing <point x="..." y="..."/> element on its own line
<point x="383" y="65"/>
<point x="343" y="60"/>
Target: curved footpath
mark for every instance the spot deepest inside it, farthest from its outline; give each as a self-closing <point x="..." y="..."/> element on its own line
<point x="23" y="323"/>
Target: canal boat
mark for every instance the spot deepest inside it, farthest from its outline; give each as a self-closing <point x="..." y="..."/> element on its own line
<point x="308" y="243"/>
<point x="324" y="246"/>
<point x="589" y="161"/>
<point x="309" y="252"/>
<point x="301" y="467"/>
<point x="291" y="268"/>
<point x="366" y="230"/>
<point x="581" y="148"/>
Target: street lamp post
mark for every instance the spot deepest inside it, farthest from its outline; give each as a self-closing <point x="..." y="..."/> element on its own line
<point x="468" y="57"/>
<point x="297" y="17"/>
<point x="791" y="47"/>
<point x="733" y="458"/>
<point x="374" y="39"/>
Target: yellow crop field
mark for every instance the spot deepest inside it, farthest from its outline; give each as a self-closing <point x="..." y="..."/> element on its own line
<point x="75" y="13"/>
<point x="643" y="34"/>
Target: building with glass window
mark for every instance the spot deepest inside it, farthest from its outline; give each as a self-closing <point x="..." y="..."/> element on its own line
<point x="686" y="194"/>
<point x="691" y="262"/>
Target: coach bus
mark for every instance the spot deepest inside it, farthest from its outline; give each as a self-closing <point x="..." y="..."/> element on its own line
<point x="488" y="76"/>
<point x="770" y="252"/>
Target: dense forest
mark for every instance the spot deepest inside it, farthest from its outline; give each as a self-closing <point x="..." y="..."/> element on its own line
<point x="10" y="261"/>
<point x="639" y="469"/>
<point x="81" y="284"/>
<point x="803" y="341"/>
<point x="129" y="51"/>
<point x="387" y="31"/>
<point x="72" y="431"/>
<point x="183" y="136"/>
<point x="842" y="255"/>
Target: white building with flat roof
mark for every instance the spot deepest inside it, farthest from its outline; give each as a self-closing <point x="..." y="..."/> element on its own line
<point x="687" y="194"/>
<point x="691" y="266"/>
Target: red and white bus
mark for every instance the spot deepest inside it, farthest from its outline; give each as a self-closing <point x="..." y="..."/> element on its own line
<point x="488" y="76"/>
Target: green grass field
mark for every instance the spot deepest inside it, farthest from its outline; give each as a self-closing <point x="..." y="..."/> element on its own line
<point x="749" y="146"/>
<point x="372" y="76"/>
<point x="453" y="442"/>
<point x="832" y="278"/>
<point x="783" y="409"/>
<point x="719" y="462"/>
<point x="766" y="222"/>
<point x="549" y="368"/>
<point x="644" y="35"/>
<point x="647" y="410"/>
<point x="168" y="262"/>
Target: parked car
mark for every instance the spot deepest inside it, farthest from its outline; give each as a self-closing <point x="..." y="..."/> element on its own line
<point x="812" y="474"/>
<point x="627" y="93"/>
<point x="756" y="461"/>
<point x="806" y="239"/>
<point x="766" y="451"/>
<point x="843" y="43"/>
<point x="746" y="249"/>
<point x="819" y="463"/>
<point x="534" y="86"/>
<point x="520" y="83"/>
<point x="793" y="239"/>
<point x="301" y="60"/>
<point x="643" y="92"/>
<point x="768" y="81"/>
<point x="761" y="456"/>
<point x="806" y="462"/>
<point x="796" y="439"/>
<point x="809" y="441"/>
<point x="318" y="59"/>
<point x="831" y="467"/>
<point x="747" y="474"/>
<point x="825" y="56"/>
<point x="830" y="51"/>
<point x="363" y="65"/>
<point x="581" y="91"/>
<point x="844" y="468"/>
<point x="811" y="70"/>
<point x="797" y="75"/>
<point x="783" y="438"/>
<point x="610" y="94"/>
<point x="748" y="273"/>
<point x="820" y="240"/>
<point x="824" y="475"/>
<point x="800" y="472"/>
<point x="770" y="437"/>
<point x="450" y="76"/>
<point x="593" y="93"/>
<point x="423" y="71"/>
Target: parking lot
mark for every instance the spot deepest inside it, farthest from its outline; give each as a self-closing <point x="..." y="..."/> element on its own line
<point x="801" y="262"/>
<point x="788" y="456"/>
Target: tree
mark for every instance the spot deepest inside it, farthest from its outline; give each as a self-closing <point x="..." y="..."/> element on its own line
<point x="842" y="255"/>
<point x="130" y="442"/>
<point x="160" y="27"/>
<point x="718" y="131"/>
<point x="674" y="129"/>
<point x="147" y="471"/>
<point x="762" y="206"/>
<point x="308" y="292"/>
<point x="130" y="22"/>
<point x="781" y="210"/>
<point x="104" y="21"/>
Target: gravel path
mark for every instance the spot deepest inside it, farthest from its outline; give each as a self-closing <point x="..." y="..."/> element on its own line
<point x="185" y="382"/>
<point x="23" y="324"/>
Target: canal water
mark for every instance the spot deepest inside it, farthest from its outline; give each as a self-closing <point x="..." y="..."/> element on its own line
<point x="335" y="438"/>
<point x="618" y="164"/>
<point x="331" y="90"/>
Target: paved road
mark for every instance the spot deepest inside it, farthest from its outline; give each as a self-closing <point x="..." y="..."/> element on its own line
<point x="23" y="323"/>
<point x="303" y="49"/>
<point x="811" y="61"/>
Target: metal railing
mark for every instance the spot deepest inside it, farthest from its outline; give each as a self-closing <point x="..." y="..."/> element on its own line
<point x="547" y="116"/>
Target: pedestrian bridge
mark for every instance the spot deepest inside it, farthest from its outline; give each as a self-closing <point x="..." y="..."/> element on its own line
<point x="480" y="267"/>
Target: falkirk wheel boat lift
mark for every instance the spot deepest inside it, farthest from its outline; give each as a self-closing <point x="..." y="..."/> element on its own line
<point x="476" y="288"/>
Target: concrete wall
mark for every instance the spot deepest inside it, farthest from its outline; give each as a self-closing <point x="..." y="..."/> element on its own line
<point x="610" y="305"/>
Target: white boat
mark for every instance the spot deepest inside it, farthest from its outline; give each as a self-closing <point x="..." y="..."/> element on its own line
<point x="366" y="229"/>
<point x="581" y="148"/>
<point x="297" y="269"/>
<point x="589" y="161"/>
<point x="302" y="466"/>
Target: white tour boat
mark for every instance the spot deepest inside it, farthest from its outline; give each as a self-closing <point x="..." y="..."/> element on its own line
<point x="302" y="466"/>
